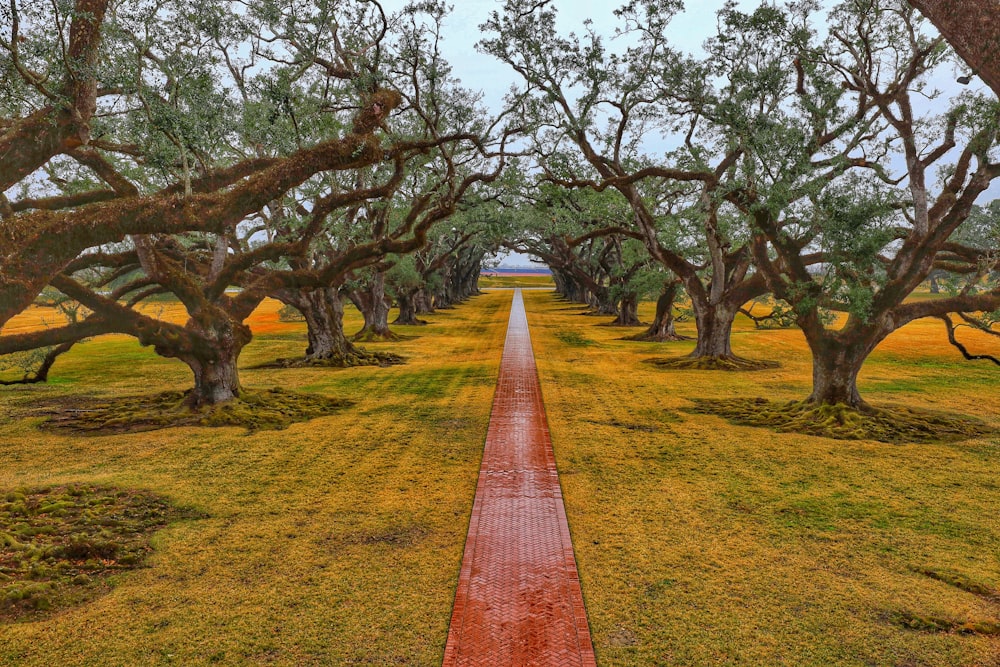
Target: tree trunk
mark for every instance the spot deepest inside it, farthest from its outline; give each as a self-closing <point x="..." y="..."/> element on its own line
<point x="835" y="376"/>
<point x="662" y="328"/>
<point x="422" y="303"/>
<point x="838" y="357"/>
<point x="715" y="328"/>
<point x="323" y="310"/>
<point x="408" y="309"/>
<point x="211" y="353"/>
<point x="628" y="311"/>
<point x="374" y="307"/>
<point x="325" y="321"/>
<point x="602" y="303"/>
<point x="216" y="380"/>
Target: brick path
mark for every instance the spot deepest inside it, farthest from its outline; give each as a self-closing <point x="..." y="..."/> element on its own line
<point x="518" y="601"/>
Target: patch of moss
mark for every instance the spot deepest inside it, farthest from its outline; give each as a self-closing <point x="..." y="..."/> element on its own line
<point x="361" y="358"/>
<point x="711" y="363"/>
<point x="369" y="336"/>
<point x="59" y="545"/>
<point x="574" y="338"/>
<point x="897" y="424"/>
<point x="254" y="410"/>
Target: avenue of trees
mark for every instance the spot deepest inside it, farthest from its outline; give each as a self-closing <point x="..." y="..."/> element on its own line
<point x="320" y="152"/>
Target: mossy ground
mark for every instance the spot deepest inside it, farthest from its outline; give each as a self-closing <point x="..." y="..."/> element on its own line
<point x="701" y="542"/>
<point x="252" y="409"/>
<point x="738" y="364"/>
<point x="59" y="546"/>
<point x="336" y="541"/>
<point x="363" y="357"/>
<point x="897" y="424"/>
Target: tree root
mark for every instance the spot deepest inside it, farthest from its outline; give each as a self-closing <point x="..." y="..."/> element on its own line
<point x="712" y="363"/>
<point x="646" y="337"/>
<point x="254" y="410"/>
<point x="361" y="357"/>
<point x="895" y="424"/>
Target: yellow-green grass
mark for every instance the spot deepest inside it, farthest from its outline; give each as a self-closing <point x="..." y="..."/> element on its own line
<point x="704" y="543"/>
<point x="507" y="280"/>
<point x="334" y="542"/>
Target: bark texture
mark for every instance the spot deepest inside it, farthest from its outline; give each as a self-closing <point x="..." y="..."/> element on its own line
<point x="972" y="27"/>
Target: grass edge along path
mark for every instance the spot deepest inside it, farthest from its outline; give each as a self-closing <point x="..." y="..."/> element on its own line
<point x="518" y="600"/>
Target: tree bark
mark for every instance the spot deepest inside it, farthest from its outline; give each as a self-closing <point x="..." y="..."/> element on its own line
<point x="422" y="302"/>
<point x="973" y="30"/>
<point x="408" y="309"/>
<point x="715" y="328"/>
<point x="662" y="328"/>
<point x="323" y="310"/>
<point x="628" y="311"/>
<point x="374" y="307"/>
<point x="211" y="352"/>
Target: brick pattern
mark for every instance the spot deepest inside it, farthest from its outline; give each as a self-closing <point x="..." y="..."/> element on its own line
<point x="518" y="601"/>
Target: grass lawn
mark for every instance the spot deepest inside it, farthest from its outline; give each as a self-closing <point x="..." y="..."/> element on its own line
<point x="703" y="543"/>
<point x="338" y="541"/>
<point x="333" y="542"/>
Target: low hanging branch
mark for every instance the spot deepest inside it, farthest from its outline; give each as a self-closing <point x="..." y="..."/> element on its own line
<point x="950" y="328"/>
<point x="41" y="374"/>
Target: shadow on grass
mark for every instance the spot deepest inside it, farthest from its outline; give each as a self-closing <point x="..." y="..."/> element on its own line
<point x="254" y="410"/>
<point x="891" y="424"/>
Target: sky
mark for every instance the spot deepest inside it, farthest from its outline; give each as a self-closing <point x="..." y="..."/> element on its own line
<point x="482" y="72"/>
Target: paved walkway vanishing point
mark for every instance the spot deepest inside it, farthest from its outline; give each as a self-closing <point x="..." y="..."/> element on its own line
<point x="518" y="601"/>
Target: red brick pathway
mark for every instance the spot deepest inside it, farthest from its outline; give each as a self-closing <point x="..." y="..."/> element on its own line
<point x="518" y="601"/>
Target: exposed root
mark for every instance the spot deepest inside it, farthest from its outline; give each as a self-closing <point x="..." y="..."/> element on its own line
<point x="712" y="363"/>
<point x="359" y="358"/>
<point x="254" y="410"/>
<point x="59" y="546"/>
<point x="897" y="424"/>
<point x="647" y="337"/>
<point x="623" y="325"/>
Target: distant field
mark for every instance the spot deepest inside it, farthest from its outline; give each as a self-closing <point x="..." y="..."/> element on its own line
<point x="516" y="280"/>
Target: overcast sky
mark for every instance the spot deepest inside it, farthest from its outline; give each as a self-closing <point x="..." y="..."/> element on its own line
<point x="485" y="73"/>
<point x="482" y="72"/>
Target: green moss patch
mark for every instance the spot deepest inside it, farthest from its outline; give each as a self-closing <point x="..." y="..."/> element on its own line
<point x="711" y="363"/>
<point x="574" y="338"/>
<point x="254" y="410"/>
<point x="58" y="546"/>
<point x="361" y="358"/>
<point x="895" y="424"/>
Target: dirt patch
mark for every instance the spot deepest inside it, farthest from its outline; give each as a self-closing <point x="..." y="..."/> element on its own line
<point x="254" y="410"/>
<point x="895" y="424"/>
<point x="59" y="545"/>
